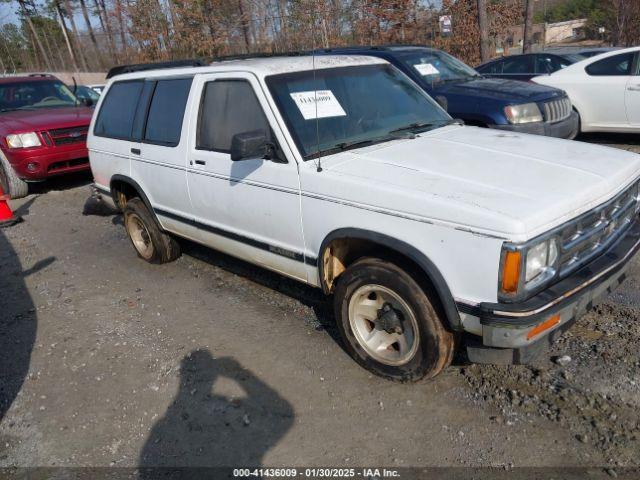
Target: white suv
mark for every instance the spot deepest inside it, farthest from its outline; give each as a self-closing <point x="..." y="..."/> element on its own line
<point x="341" y="173"/>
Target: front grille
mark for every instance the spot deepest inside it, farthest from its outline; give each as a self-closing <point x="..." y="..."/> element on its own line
<point x="54" y="167"/>
<point x="65" y="136"/>
<point x="591" y="233"/>
<point x="557" y="110"/>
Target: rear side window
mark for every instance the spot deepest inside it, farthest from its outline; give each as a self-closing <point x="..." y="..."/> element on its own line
<point x="164" y="122"/>
<point x="228" y="107"/>
<point x="517" y="65"/>
<point x="118" y="108"/>
<point x="618" y="65"/>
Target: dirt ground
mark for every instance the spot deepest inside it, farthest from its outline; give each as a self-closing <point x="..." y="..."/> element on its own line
<point x="106" y="360"/>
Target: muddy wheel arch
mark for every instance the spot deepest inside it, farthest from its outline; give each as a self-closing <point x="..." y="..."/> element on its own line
<point x="343" y="246"/>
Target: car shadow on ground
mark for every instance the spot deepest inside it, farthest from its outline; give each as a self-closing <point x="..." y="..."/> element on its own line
<point x="629" y="139"/>
<point x="62" y="182"/>
<point x="222" y="415"/>
<point x="309" y="296"/>
<point x="313" y="298"/>
<point x="18" y="322"/>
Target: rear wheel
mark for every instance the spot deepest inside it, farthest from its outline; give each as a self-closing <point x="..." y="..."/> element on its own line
<point x="9" y="181"/>
<point x="151" y="243"/>
<point x="389" y="324"/>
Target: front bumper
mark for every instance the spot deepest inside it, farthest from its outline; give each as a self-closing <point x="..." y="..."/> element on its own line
<point x="567" y="128"/>
<point x="509" y="326"/>
<point x="48" y="161"/>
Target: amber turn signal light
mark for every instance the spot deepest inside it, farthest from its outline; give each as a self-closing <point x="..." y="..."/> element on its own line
<point x="546" y="325"/>
<point x="511" y="272"/>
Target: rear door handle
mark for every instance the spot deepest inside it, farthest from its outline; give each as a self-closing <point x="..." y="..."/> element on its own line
<point x="200" y="162"/>
<point x="634" y="88"/>
<point x="136" y="151"/>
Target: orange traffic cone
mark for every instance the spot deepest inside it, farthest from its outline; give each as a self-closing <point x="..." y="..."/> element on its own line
<point x="7" y="218"/>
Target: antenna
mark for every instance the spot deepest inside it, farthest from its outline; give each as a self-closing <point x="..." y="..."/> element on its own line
<point x="75" y="89"/>
<point x="315" y="91"/>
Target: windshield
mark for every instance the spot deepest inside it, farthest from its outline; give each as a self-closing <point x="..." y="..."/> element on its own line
<point x="35" y="94"/>
<point x="437" y="67"/>
<point x="336" y="109"/>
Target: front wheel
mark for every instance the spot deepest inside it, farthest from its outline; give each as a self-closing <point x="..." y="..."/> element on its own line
<point x="11" y="184"/>
<point x="389" y="324"/>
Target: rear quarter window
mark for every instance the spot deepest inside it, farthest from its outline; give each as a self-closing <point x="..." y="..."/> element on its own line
<point x="118" y="108"/>
<point x="617" y="65"/>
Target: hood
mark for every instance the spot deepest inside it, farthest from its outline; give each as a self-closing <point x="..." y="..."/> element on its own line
<point x="511" y="185"/>
<point x="44" y="119"/>
<point x="501" y="89"/>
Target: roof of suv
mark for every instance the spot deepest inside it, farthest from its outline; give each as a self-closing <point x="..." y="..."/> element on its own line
<point x="28" y="78"/>
<point x="262" y="66"/>
<point x="379" y="48"/>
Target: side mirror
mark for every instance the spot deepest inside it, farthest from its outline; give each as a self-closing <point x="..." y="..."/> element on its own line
<point x="87" y="102"/>
<point x="248" y="145"/>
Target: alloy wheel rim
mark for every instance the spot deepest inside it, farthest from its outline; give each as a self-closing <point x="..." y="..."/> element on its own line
<point x="384" y="325"/>
<point x="139" y="236"/>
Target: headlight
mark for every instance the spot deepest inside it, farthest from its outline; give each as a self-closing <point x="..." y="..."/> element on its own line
<point x="527" y="267"/>
<point x="540" y="259"/>
<point x="526" y="113"/>
<point x="23" y="140"/>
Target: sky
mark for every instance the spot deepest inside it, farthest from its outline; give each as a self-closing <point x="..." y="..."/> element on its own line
<point x="8" y="14"/>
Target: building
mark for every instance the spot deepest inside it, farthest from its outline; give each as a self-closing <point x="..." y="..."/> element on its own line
<point x="544" y="34"/>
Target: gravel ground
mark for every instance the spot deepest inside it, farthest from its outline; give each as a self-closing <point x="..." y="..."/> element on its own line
<point x="109" y="361"/>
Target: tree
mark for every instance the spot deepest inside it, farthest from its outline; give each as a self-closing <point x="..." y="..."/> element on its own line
<point x="483" y="25"/>
<point x="528" y="26"/>
<point x="65" y="31"/>
<point x="27" y="12"/>
<point x="69" y="13"/>
<point x="92" y="36"/>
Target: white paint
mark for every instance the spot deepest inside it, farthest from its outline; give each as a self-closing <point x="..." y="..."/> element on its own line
<point x="605" y="103"/>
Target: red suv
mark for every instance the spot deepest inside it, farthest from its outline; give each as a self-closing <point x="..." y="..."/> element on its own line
<point x="43" y="131"/>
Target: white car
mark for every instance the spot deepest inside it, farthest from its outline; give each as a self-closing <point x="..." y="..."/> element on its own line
<point x="342" y="173"/>
<point x="604" y="90"/>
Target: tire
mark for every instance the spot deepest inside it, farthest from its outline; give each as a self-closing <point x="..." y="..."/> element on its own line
<point x="150" y="243"/>
<point x="578" y="129"/>
<point x="9" y="181"/>
<point x="370" y="283"/>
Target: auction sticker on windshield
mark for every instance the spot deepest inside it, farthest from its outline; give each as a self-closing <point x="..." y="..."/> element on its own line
<point x="426" y="69"/>
<point x="318" y="104"/>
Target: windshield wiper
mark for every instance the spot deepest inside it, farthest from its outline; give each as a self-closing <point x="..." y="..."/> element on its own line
<point x="13" y="109"/>
<point x="417" y="127"/>
<point x="341" y="147"/>
<point x="392" y="135"/>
